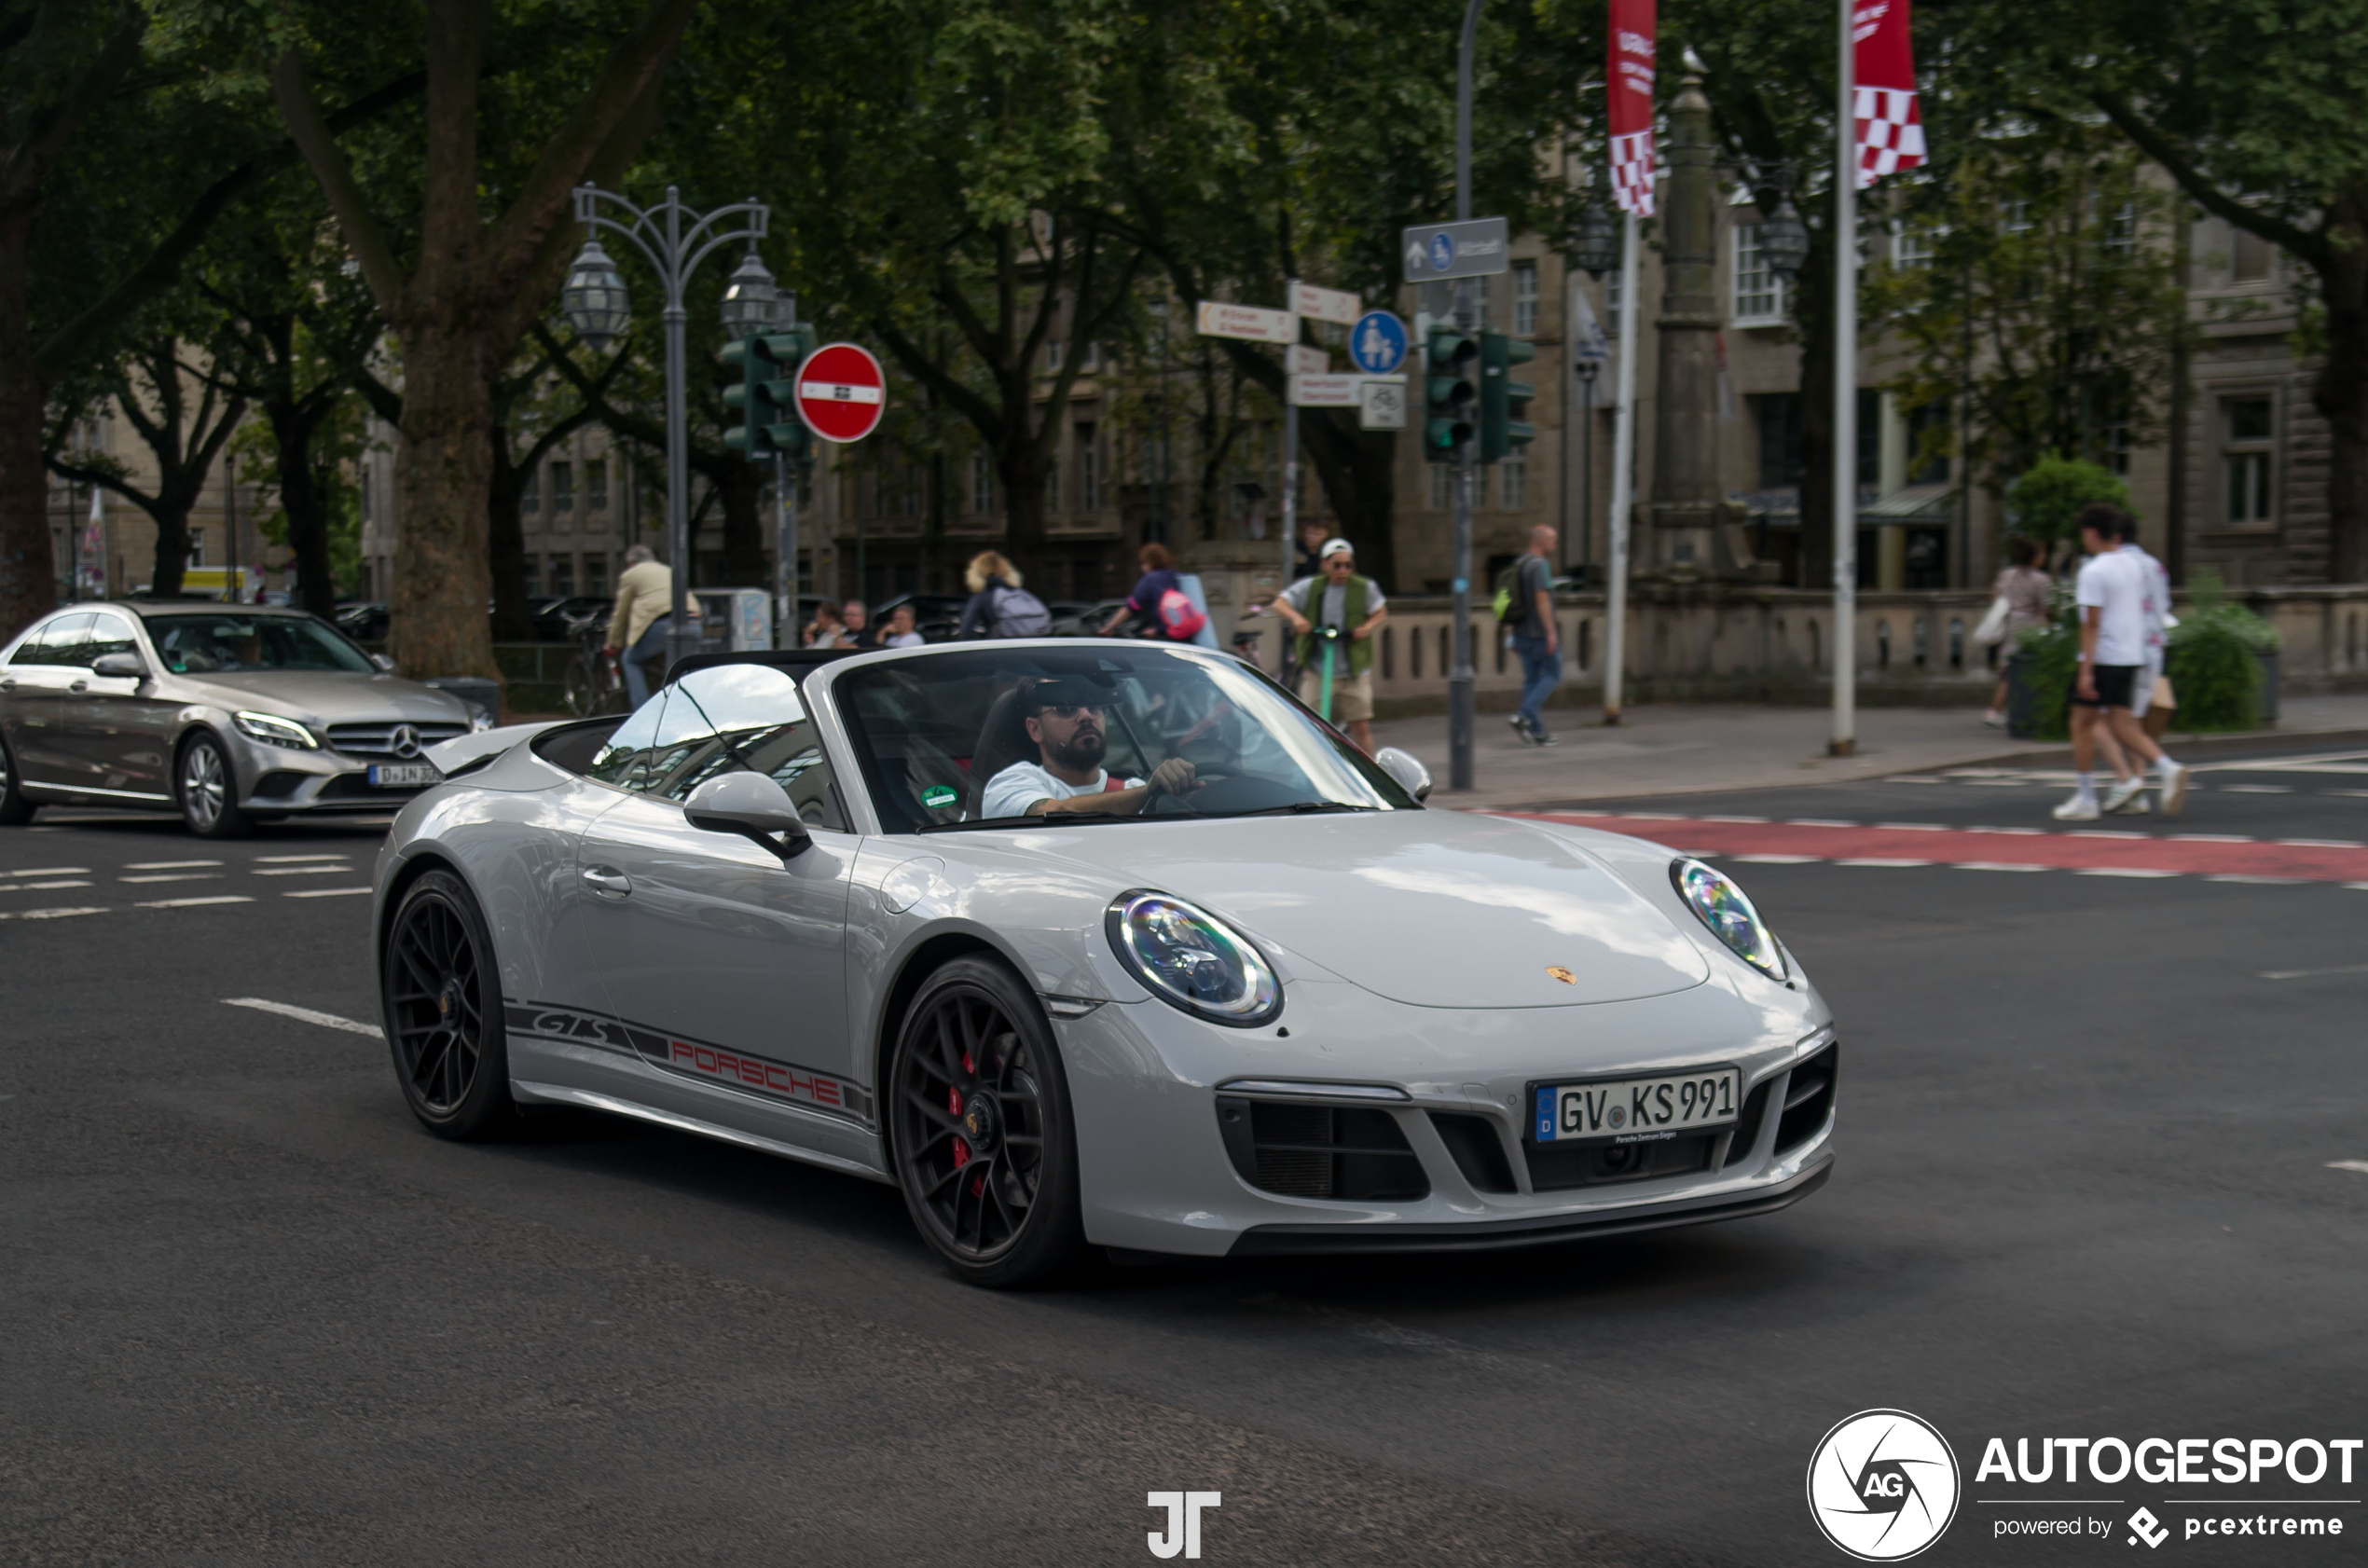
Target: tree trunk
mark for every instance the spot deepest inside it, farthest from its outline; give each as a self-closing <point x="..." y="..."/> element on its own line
<point x="170" y="513"/>
<point x="1022" y="468"/>
<point x="28" y="558"/>
<point x="304" y="502"/>
<point x="741" y="486"/>
<point x="2340" y="389"/>
<point x="437" y="611"/>
<point x="505" y="544"/>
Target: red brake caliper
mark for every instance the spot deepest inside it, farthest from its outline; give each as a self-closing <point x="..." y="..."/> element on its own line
<point x="954" y="1105"/>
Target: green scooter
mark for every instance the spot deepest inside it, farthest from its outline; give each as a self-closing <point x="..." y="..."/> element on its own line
<point x="1331" y="637"/>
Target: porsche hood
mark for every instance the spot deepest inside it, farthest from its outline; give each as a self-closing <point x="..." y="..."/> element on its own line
<point x="1430" y="908"/>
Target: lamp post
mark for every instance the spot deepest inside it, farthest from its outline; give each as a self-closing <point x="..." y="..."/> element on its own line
<point x="675" y="241"/>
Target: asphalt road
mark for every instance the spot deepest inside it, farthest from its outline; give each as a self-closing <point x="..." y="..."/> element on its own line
<point x="254" y="1315"/>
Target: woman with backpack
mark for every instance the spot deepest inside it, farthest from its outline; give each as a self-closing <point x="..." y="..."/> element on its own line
<point x="1159" y="603"/>
<point x="999" y="606"/>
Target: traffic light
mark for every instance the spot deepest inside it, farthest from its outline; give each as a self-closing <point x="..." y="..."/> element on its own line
<point x="1451" y="372"/>
<point x="1503" y="401"/>
<point x="766" y="397"/>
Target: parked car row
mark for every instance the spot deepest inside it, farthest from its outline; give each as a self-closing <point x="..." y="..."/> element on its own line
<point x="935" y="616"/>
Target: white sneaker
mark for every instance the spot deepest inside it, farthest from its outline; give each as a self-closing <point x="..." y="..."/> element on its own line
<point x="2175" y="788"/>
<point x="1994" y="719"/>
<point x="2125" y="790"/>
<point x="2080" y="809"/>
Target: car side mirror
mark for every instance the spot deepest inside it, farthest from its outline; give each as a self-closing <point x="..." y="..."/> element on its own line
<point x="386" y="666"/>
<point x="120" y="666"/>
<point x="752" y="805"/>
<point x="1406" y="769"/>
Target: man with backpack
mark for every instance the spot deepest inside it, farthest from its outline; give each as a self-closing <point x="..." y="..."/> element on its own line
<point x="1342" y="621"/>
<point x="999" y="606"/>
<point x="1525" y="612"/>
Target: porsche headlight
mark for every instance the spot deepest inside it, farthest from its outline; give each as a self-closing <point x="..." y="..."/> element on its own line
<point x="1192" y="960"/>
<point x="1728" y="910"/>
<point x="272" y="730"/>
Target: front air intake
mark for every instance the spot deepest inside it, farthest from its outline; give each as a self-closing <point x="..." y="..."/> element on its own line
<point x="1320" y="1152"/>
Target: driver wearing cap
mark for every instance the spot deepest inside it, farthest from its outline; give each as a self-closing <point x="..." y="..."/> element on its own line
<point x="1065" y="720"/>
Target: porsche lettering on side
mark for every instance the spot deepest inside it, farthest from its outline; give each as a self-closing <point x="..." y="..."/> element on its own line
<point x="1088" y="943"/>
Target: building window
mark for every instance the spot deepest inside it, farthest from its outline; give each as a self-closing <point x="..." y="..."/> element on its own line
<point x="2120" y="226"/>
<point x="2252" y="259"/>
<point x="1928" y="443"/>
<point x="596" y="484"/>
<point x="1911" y="247"/>
<point x="531" y="492"/>
<point x="562" y="486"/>
<point x="1091" y="359"/>
<point x="562" y="576"/>
<point x="197" y="546"/>
<point x="1088" y="469"/>
<point x="596" y="575"/>
<point x="533" y="578"/>
<point x="981" y="483"/>
<point x="2014" y="217"/>
<point x="1760" y="293"/>
<point x="1052" y="351"/>
<point x="1611" y="301"/>
<point x="1441" y="478"/>
<point x="1524" y="300"/>
<point x="1512" y="483"/>
<point x="2246" y="447"/>
<point x="1778" y="416"/>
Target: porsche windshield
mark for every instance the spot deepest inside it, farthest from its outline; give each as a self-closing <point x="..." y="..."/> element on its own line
<point x="1019" y="736"/>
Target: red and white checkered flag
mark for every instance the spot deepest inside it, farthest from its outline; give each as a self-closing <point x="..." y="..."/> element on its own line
<point x="1891" y="127"/>
<point x="1628" y="85"/>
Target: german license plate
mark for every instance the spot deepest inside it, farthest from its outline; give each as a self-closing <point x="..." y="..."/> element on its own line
<point x="403" y="775"/>
<point x="1635" y="1109"/>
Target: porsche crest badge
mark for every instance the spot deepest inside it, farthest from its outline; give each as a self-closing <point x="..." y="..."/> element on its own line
<point x="1562" y="974"/>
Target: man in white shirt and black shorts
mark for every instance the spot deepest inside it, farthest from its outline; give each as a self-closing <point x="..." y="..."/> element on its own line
<point x="2112" y="597"/>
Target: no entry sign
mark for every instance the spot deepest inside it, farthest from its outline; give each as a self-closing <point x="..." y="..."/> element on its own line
<point x="840" y="392"/>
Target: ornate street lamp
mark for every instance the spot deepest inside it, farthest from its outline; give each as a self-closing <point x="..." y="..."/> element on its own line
<point x="751" y="301"/>
<point x="1595" y="243"/>
<point x="1784" y="240"/>
<point x="594" y="300"/>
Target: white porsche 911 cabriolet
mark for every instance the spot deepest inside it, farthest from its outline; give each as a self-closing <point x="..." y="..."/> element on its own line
<point x="1087" y="943"/>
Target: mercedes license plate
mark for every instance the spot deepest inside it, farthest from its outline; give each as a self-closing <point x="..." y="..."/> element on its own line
<point x="1631" y="1110"/>
<point x="403" y="775"/>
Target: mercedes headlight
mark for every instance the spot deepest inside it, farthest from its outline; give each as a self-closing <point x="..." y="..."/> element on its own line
<point x="479" y="720"/>
<point x="1192" y="960"/>
<point x="1728" y="910"/>
<point x="272" y="730"/>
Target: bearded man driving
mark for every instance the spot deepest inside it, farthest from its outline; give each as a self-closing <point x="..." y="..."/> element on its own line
<point x="1064" y="718"/>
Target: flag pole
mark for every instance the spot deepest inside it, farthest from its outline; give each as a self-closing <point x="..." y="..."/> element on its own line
<point x="1845" y="448"/>
<point x="1623" y="480"/>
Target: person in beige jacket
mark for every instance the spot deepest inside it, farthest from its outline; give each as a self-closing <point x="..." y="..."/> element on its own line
<point x="643" y="617"/>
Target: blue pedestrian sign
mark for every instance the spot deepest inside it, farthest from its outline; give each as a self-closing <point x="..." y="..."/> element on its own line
<point x="1436" y="252"/>
<point x="1442" y="251"/>
<point x="1378" y="343"/>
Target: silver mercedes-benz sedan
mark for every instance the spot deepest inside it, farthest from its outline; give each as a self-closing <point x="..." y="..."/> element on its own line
<point x="1092" y="943"/>
<point x="234" y="714"/>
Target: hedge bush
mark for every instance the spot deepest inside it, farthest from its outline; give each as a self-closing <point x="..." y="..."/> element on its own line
<point x="2214" y="658"/>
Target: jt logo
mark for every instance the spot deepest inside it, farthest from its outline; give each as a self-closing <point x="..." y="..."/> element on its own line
<point x="1183" y="1520"/>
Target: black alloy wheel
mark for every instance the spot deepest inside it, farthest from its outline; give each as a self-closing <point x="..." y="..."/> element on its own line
<point x="441" y="1001"/>
<point x="14" y="808"/>
<point x="208" y="789"/>
<point x="979" y="1116"/>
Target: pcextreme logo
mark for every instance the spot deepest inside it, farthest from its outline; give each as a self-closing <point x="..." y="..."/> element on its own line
<point x="1883" y="1485"/>
<point x="1183" y="1532"/>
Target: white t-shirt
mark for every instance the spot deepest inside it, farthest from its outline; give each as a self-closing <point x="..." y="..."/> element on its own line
<point x="2115" y="583"/>
<point x="905" y="640"/>
<point x="2154" y="603"/>
<point x="1011" y="791"/>
<point x="1335" y="610"/>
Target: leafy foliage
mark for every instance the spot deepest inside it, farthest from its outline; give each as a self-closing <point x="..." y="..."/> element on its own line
<point x="2045" y="499"/>
<point x="2214" y="659"/>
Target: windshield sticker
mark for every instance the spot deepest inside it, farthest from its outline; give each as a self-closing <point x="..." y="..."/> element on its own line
<point x="937" y="797"/>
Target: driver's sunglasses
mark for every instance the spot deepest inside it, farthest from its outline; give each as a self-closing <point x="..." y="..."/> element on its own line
<point x="1066" y="712"/>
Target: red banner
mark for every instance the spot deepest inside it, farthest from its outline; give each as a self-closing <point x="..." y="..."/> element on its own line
<point x="1628" y="85"/>
<point x="1891" y="126"/>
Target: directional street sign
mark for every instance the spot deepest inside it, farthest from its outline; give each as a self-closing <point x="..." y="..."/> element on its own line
<point x="1302" y="360"/>
<point x="1253" y="322"/>
<point x="1378" y="343"/>
<point x="1324" y="305"/>
<point x="840" y="392"/>
<point x="1384" y="406"/>
<point x="1455" y="250"/>
<point x="1326" y="392"/>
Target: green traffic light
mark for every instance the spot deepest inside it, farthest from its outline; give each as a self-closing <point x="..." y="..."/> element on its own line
<point x="1450" y="394"/>
<point x="1503" y="401"/>
<point x="766" y="397"/>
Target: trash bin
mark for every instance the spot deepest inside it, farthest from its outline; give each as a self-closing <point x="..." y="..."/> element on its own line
<point x="734" y="620"/>
<point x="482" y="695"/>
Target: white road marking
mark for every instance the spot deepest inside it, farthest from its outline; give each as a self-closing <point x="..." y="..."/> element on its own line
<point x="2210" y="838"/>
<point x="291" y="859"/>
<point x="2103" y="833"/>
<point x="1995" y="865"/>
<point x="1817" y="822"/>
<point x="1914" y="827"/>
<point x="1876" y="861"/>
<point x="2324" y="843"/>
<point x="1730" y="818"/>
<point x="305" y="1015"/>
<point x="49" y="871"/>
<point x="168" y="865"/>
<point x="1777" y="860"/>
<point x="39" y="887"/>
<point x="192" y="903"/>
<point x="2020" y="832"/>
<point x="2121" y="871"/>
<point x="323" y="892"/>
<point x="2360" y="1166"/>
<point x="2266" y="881"/>
<point x="2361" y="886"/>
<point x="45" y="914"/>
<point x="1919" y="779"/>
<point x="2355" y="795"/>
<point x="306" y="871"/>
<point x="177" y="876"/>
<point x="2258" y="789"/>
<point x="2305" y="974"/>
